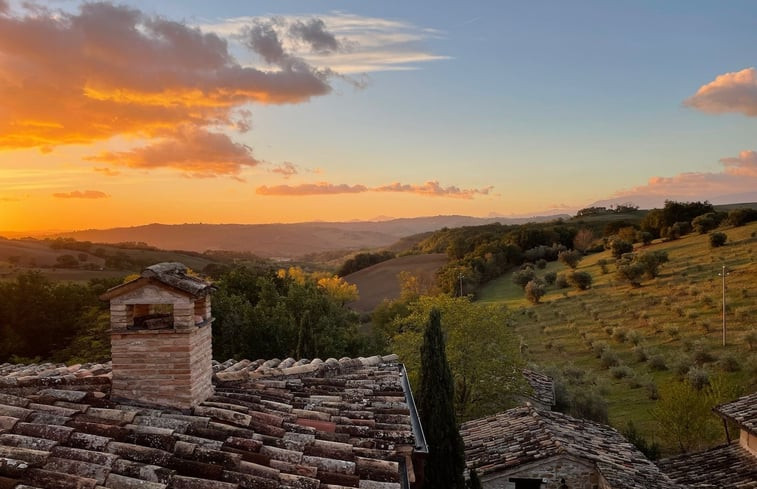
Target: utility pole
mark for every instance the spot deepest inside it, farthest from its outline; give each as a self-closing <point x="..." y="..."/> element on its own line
<point x="461" y="284"/>
<point x="723" y="274"/>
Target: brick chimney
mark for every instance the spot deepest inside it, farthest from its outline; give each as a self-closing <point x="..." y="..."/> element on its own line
<point x="161" y="338"/>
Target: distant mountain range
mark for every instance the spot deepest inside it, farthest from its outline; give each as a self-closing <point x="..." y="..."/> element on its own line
<point x="286" y="241"/>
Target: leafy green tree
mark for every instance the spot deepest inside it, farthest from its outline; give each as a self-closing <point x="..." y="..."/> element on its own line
<point x="583" y="240"/>
<point x="570" y="257"/>
<point x="684" y="414"/>
<point x="620" y="247"/>
<point x="482" y="351"/>
<point x="524" y="276"/>
<point x="579" y="279"/>
<point x="534" y="291"/>
<point x="704" y="223"/>
<point x="652" y="261"/>
<point x="262" y="314"/>
<point x="739" y="217"/>
<point x="717" y="239"/>
<point x="650" y="450"/>
<point x="446" y="457"/>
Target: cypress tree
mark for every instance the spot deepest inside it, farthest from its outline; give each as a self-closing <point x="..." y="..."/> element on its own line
<point x="474" y="482"/>
<point x="446" y="458"/>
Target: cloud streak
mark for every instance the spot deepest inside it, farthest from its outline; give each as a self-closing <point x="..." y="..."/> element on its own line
<point x="78" y="194"/>
<point x="730" y="92"/>
<point x="345" y="43"/>
<point x="428" y="189"/>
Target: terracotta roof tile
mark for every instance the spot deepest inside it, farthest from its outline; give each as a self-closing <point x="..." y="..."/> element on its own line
<point x="524" y="435"/>
<point x="270" y="424"/>
<point x="742" y="411"/>
<point x="724" y="467"/>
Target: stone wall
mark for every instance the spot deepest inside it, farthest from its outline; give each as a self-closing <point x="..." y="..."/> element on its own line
<point x="578" y="474"/>
<point x="164" y="367"/>
<point x="748" y="441"/>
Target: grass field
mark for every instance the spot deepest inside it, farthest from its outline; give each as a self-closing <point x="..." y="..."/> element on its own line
<point x="380" y="281"/>
<point x="675" y="317"/>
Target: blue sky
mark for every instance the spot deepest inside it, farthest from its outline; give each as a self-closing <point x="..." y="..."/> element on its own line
<point x="507" y="107"/>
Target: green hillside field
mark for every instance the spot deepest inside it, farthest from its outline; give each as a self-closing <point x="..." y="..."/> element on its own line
<point x="656" y="334"/>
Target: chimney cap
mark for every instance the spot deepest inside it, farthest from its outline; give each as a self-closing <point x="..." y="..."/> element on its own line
<point x="172" y="274"/>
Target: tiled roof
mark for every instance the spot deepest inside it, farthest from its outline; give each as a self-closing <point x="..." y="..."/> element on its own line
<point x="543" y="387"/>
<point x="276" y="424"/>
<point x="724" y="467"/>
<point x="524" y="435"/>
<point x="742" y="411"/>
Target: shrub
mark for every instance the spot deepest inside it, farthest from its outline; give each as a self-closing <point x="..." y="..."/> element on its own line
<point x="561" y="281"/>
<point x="621" y="371"/>
<point x="673" y="332"/>
<point x="620" y="335"/>
<point x="652" y="392"/>
<point x="650" y="450"/>
<point x="704" y="223"/>
<point x="682" y="366"/>
<point x="699" y="378"/>
<point x="717" y="239"/>
<point x="634" y="337"/>
<point x="620" y="247"/>
<point x="570" y="257"/>
<point x="702" y="356"/>
<point x="579" y="279"/>
<point x="603" y="265"/>
<point x="534" y="291"/>
<point x="599" y="347"/>
<point x="645" y="237"/>
<point x="609" y="359"/>
<point x="550" y="277"/>
<point x="640" y="354"/>
<point x="658" y="363"/>
<point x="524" y="276"/>
<point x="739" y="217"/>
<point x="730" y="363"/>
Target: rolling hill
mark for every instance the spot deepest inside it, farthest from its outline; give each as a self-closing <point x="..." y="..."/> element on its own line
<point x="285" y="241"/>
<point x="380" y="281"/>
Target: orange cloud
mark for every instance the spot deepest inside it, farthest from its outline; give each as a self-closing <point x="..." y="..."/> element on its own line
<point x="287" y="169"/>
<point x="433" y="189"/>
<point x="108" y="70"/>
<point x="320" y="188"/>
<point x="428" y="189"/>
<point x="729" y="92"/>
<point x="196" y="152"/>
<point x="107" y="171"/>
<point x="78" y="194"/>
<point x="738" y="178"/>
<point x="745" y="164"/>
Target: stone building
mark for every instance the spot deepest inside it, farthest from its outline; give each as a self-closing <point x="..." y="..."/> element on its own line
<point x="528" y="448"/>
<point x="729" y="466"/>
<point x="164" y="415"/>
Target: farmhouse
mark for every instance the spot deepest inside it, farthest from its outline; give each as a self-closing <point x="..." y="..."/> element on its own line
<point x="164" y="415"/>
<point x="528" y="448"/>
<point x="730" y="466"/>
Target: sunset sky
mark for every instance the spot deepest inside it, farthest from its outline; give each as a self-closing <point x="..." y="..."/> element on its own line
<point x="184" y="111"/>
